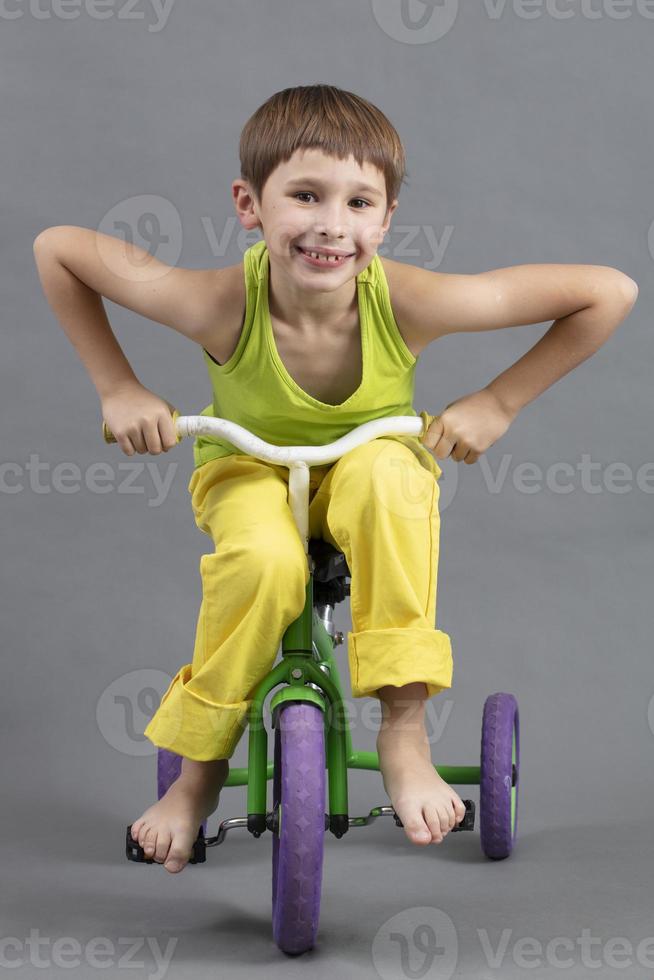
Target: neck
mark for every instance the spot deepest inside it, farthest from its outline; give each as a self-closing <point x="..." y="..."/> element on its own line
<point x="311" y="311"/>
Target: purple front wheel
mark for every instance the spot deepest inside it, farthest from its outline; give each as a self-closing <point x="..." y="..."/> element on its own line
<point x="500" y="767"/>
<point x="298" y="840"/>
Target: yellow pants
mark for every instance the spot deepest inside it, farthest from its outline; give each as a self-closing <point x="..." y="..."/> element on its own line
<point x="379" y="506"/>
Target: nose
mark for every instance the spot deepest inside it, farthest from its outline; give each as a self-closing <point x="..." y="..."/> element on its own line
<point x="330" y="224"/>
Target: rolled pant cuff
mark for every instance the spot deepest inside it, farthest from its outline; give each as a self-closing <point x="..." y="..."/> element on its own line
<point x="190" y="725"/>
<point x="399" y="657"/>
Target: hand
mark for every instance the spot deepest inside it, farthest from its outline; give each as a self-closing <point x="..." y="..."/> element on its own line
<point x="141" y="421"/>
<point x="468" y="427"/>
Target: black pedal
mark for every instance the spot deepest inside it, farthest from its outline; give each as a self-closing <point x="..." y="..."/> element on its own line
<point x="468" y="822"/>
<point x="135" y="852"/>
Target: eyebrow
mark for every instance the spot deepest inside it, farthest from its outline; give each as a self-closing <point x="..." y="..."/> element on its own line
<point x="367" y="188"/>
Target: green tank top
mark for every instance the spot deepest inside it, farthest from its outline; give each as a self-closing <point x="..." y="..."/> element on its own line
<point x="254" y="389"/>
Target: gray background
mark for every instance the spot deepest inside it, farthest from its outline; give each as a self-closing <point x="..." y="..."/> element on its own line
<point x="528" y="138"/>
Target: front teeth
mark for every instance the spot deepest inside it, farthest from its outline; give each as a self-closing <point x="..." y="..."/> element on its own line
<point x="325" y="258"/>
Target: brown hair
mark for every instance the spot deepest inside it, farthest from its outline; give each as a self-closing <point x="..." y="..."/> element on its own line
<point x="323" y="117"/>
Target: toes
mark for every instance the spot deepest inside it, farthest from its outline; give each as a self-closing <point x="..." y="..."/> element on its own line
<point x="459" y="810"/>
<point x="136" y="826"/>
<point x="163" y="846"/>
<point x="175" y="863"/>
<point x="433" y="821"/>
<point x="150" y="842"/>
<point x="415" y="827"/>
<point x="176" y="860"/>
<point x="142" y="833"/>
<point x="447" y="818"/>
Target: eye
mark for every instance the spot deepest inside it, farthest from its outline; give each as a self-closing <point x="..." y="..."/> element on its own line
<point x="311" y="194"/>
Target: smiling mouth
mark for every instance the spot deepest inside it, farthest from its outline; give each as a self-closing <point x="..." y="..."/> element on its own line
<point x="317" y="258"/>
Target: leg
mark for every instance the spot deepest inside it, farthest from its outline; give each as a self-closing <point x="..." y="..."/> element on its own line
<point x="167" y="830"/>
<point x="253" y="588"/>
<point x="380" y="507"/>
<point x="427" y="806"/>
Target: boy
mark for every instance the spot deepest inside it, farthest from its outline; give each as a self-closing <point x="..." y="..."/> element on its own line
<point x="301" y="347"/>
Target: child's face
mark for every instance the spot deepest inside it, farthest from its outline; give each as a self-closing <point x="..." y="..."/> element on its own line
<point x="317" y="200"/>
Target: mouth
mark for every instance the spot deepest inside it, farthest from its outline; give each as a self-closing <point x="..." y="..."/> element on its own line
<point x="323" y="259"/>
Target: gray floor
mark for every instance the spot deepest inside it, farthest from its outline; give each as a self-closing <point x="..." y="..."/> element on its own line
<point x="389" y="909"/>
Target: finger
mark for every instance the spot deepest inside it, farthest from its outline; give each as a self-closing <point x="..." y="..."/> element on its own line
<point x="461" y="450"/>
<point x="442" y="446"/>
<point x="433" y="433"/>
<point x="167" y="434"/>
<point x="136" y="437"/>
<point x="472" y="457"/>
<point x="152" y="437"/>
<point x="126" y="445"/>
<point x="443" y="449"/>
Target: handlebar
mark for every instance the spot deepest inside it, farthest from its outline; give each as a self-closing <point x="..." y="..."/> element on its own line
<point x="192" y="425"/>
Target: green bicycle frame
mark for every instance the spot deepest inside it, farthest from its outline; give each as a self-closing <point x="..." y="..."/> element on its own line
<point x="300" y="666"/>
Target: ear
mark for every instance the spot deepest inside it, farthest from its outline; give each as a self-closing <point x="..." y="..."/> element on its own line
<point x="246" y="204"/>
<point x="389" y="214"/>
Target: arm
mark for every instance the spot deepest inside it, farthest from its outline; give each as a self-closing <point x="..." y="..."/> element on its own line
<point x="588" y="303"/>
<point x="77" y="266"/>
<point x="571" y="339"/>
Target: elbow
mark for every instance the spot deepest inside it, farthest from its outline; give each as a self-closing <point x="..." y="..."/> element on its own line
<point x="43" y="239"/>
<point x="40" y="239"/>
<point x="611" y="287"/>
<point x="627" y="288"/>
<point x="48" y="236"/>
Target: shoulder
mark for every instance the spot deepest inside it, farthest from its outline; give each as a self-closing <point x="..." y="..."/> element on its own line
<point x="224" y="307"/>
<point x="404" y="285"/>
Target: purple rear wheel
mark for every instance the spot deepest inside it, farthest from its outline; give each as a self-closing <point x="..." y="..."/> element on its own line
<point x="169" y="766"/>
<point x="500" y="760"/>
<point x="298" y="841"/>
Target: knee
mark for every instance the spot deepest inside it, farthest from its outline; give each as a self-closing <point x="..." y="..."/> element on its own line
<point x="270" y="560"/>
<point x="281" y="566"/>
<point x="388" y="474"/>
<point x="281" y="557"/>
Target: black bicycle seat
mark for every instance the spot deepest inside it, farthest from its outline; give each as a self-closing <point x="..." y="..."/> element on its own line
<point x="330" y="562"/>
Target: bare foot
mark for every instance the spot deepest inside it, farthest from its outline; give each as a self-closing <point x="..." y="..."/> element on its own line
<point x="168" y="829"/>
<point x="427" y="806"/>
